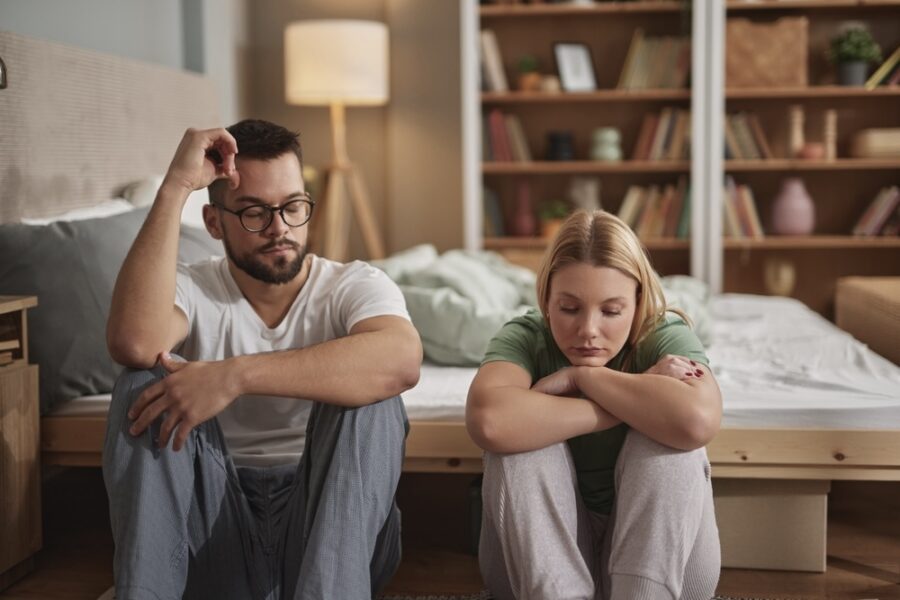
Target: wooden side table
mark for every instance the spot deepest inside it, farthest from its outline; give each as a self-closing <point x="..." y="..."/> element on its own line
<point x="20" y="481"/>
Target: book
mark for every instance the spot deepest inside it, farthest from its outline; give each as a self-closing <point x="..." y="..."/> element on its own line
<point x="759" y="137"/>
<point x="684" y="223"/>
<point x="659" y="136"/>
<point x="732" y="148"/>
<point x="883" y="72"/>
<point x="658" y="224"/>
<point x="745" y="137"/>
<point x="651" y="206"/>
<point x="9" y="345"/>
<point x="670" y="229"/>
<point x="493" y="62"/>
<point x="645" y="137"/>
<point x="756" y="230"/>
<point x="499" y="138"/>
<point x="675" y="149"/>
<point x="516" y="134"/>
<point x="628" y="66"/>
<point x="631" y="205"/>
<point x="731" y="225"/>
<point x="885" y="209"/>
<point x="493" y="216"/>
<point x="487" y="153"/>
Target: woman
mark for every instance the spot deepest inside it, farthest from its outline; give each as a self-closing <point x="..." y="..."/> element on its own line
<point x="593" y="414"/>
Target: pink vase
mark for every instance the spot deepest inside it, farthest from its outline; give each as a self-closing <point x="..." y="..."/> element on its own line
<point x="524" y="222"/>
<point x="793" y="212"/>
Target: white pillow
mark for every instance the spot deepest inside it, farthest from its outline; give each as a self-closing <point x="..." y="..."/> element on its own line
<point x="107" y="208"/>
<point x="141" y="193"/>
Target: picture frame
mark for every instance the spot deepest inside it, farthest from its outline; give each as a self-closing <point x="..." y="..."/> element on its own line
<point x="575" y="67"/>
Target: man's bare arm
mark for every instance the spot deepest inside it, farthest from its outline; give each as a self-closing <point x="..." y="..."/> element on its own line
<point x="143" y="320"/>
<point x="378" y="360"/>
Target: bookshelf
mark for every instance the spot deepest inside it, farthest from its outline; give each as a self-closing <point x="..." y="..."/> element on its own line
<point x="842" y="188"/>
<point x="608" y="29"/>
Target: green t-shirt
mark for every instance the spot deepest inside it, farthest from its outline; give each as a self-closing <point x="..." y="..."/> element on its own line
<point x="527" y="342"/>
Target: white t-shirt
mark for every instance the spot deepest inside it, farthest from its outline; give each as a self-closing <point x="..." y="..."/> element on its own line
<point x="270" y="430"/>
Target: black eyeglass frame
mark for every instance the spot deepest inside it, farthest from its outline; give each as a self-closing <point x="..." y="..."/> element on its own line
<point x="305" y="197"/>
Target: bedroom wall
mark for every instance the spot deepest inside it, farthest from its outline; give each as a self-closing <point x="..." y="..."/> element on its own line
<point x="206" y="36"/>
<point x="409" y="150"/>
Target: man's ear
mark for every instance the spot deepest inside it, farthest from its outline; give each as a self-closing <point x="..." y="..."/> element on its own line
<point x="211" y="218"/>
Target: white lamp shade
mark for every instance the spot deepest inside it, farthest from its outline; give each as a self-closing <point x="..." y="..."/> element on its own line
<point x="336" y="61"/>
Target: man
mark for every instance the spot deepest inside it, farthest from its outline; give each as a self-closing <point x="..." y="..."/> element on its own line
<point x="265" y="466"/>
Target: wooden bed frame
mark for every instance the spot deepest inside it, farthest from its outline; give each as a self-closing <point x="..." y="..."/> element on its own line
<point x="777" y="480"/>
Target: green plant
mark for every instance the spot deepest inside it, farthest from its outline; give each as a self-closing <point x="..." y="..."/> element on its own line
<point x="528" y="64"/>
<point x="854" y="44"/>
<point x="553" y="209"/>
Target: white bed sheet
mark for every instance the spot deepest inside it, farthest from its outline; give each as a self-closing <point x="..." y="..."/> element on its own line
<point x="779" y="364"/>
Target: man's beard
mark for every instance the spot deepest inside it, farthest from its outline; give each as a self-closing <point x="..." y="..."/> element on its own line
<point x="283" y="271"/>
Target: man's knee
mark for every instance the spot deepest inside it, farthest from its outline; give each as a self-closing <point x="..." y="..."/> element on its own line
<point x="129" y="385"/>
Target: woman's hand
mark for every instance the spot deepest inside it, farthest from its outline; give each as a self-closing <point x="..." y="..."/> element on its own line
<point x="678" y="367"/>
<point x="560" y="383"/>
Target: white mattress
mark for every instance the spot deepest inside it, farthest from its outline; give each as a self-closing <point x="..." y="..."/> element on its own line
<point x="778" y="363"/>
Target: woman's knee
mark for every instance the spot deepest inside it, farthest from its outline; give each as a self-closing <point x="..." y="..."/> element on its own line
<point x="646" y="458"/>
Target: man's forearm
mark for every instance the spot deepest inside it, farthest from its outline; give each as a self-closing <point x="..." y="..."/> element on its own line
<point x="141" y="310"/>
<point x="354" y="370"/>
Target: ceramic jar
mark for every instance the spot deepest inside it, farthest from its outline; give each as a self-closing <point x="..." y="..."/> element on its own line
<point x="793" y="212"/>
<point x="606" y="144"/>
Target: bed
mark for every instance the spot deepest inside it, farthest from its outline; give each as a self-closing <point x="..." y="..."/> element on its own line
<point x="789" y="429"/>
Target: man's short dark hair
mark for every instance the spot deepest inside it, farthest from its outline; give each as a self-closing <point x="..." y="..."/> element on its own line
<point x="260" y="140"/>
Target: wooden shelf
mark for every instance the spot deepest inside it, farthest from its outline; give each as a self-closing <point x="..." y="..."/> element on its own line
<point x="539" y="243"/>
<point x="784" y="164"/>
<point x="584" y="166"/>
<point x="741" y="5"/>
<point x="614" y="95"/>
<point x="818" y="91"/>
<point x="603" y="8"/>
<point x="812" y="242"/>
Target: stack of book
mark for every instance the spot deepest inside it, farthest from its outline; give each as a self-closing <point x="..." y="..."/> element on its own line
<point x="664" y="136"/>
<point x="503" y="139"/>
<point x="745" y="138"/>
<point x="654" y="212"/>
<point x="740" y="218"/>
<point x="656" y="63"/>
<point x="882" y="217"/>
<point x="887" y="74"/>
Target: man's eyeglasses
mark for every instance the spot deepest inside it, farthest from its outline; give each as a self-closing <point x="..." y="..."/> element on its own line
<point x="258" y="217"/>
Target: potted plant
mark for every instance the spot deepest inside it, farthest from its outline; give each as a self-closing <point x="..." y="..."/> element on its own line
<point x="552" y="214"/>
<point x="529" y="77"/>
<point x="853" y="50"/>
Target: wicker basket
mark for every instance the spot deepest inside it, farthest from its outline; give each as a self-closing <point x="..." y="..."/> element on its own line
<point x="766" y="54"/>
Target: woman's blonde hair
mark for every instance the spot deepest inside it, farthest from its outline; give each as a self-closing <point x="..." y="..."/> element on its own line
<point x="601" y="239"/>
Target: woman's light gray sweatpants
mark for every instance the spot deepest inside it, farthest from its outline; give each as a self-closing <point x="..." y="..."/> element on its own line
<point x="189" y="524"/>
<point x="539" y="542"/>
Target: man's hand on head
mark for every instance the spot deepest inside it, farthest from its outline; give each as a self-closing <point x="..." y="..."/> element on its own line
<point x="203" y="156"/>
<point x="192" y="393"/>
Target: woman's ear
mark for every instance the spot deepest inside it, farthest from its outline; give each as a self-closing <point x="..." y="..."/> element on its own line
<point x="211" y="218"/>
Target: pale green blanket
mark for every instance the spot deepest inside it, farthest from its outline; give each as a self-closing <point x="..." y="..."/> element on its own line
<point x="460" y="299"/>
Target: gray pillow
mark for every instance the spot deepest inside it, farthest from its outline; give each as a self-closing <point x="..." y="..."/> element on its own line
<point x="71" y="266"/>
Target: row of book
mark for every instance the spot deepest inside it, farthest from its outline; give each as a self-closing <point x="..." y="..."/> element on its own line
<point x="886" y="74"/>
<point x="740" y="218"/>
<point x="503" y="138"/>
<point x="664" y="136"/>
<point x="658" y="212"/>
<point x="655" y="62"/>
<point x="745" y="138"/>
<point x="882" y="216"/>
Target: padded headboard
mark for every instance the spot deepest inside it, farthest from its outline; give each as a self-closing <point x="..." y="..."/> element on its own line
<point x="77" y="125"/>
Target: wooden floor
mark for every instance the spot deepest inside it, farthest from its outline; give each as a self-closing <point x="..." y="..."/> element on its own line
<point x="863" y="544"/>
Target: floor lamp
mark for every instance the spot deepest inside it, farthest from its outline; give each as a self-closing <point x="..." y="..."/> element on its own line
<point x="339" y="63"/>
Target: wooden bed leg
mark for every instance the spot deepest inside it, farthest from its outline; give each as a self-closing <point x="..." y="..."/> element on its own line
<point x="772" y="524"/>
